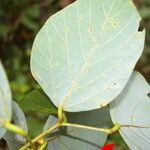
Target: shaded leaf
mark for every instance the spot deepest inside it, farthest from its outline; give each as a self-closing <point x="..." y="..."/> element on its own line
<point x="132" y="107"/>
<point x="32" y="13"/>
<point x="37" y="101"/>
<point x="33" y="122"/>
<point x="29" y="22"/>
<point x="91" y="118"/>
<point x="28" y="17"/>
<point x="16" y="141"/>
<point x="81" y="139"/>
<point x="4" y="29"/>
<point x="85" y="53"/>
<point x="5" y="100"/>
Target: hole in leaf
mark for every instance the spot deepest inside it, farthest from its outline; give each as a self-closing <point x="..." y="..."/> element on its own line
<point x="141" y="26"/>
<point x="148" y="95"/>
<point x="115" y="83"/>
<point x="114" y="23"/>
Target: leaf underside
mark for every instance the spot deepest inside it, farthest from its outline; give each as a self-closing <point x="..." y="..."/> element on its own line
<point x="5" y="100"/>
<point x="13" y="140"/>
<point x="74" y="138"/>
<point x="132" y="107"/>
<point x="84" y="54"/>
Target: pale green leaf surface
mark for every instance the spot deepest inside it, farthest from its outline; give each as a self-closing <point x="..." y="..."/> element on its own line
<point x="84" y="54"/>
<point x="5" y="100"/>
<point x="132" y="107"/>
<point x="13" y="140"/>
<point x="81" y="139"/>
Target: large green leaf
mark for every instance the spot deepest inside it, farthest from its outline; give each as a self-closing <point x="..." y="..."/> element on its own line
<point x="80" y="139"/>
<point x="84" y="54"/>
<point x="38" y="101"/>
<point x="13" y="140"/>
<point x="132" y="107"/>
<point x="5" y="100"/>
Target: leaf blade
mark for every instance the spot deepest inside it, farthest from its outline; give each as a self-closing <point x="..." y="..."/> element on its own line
<point x="79" y="50"/>
<point x="132" y="108"/>
<point x="74" y="138"/>
<point x="5" y="99"/>
<point x="16" y="141"/>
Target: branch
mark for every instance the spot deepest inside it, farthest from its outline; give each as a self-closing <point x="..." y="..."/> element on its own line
<point x="41" y="135"/>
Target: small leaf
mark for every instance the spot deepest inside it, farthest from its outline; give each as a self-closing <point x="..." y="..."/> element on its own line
<point x="132" y="107"/>
<point x="37" y="101"/>
<point x="5" y="100"/>
<point x="4" y="29"/>
<point x="81" y="139"/>
<point x="16" y="141"/>
<point x="32" y="13"/>
<point x="28" y="17"/>
<point x="85" y="54"/>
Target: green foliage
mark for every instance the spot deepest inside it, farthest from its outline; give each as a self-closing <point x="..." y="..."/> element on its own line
<point x="28" y="18"/>
<point x="36" y="100"/>
<point x="35" y="125"/>
<point x="19" y="23"/>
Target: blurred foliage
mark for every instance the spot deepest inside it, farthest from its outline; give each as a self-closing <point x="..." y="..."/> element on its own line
<point x="20" y="20"/>
<point x="19" y="23"/>
<point x="144" y="63"/>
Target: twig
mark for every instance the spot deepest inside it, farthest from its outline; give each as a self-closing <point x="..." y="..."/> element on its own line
<point x="41" y="135"/>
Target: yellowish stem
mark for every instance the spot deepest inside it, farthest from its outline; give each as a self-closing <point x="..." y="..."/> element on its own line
<point x="41" y="135"/>
<point x="107" y="131"/>
<point x="11" y="127"/>
<point x="60" y="114"/>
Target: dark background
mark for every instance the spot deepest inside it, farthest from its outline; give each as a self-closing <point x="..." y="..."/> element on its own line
<point x="20" y="20"/>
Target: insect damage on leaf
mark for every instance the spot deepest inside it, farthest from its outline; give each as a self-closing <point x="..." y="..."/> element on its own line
<point x="88" y="49"/>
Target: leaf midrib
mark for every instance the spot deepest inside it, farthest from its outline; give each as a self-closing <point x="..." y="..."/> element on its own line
<point x="86" y="61"/>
